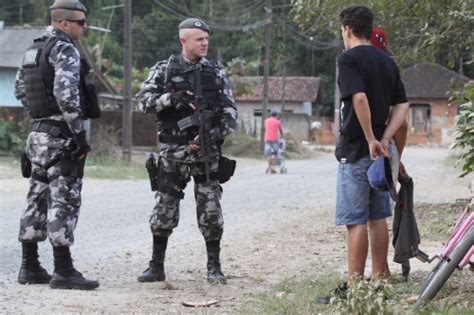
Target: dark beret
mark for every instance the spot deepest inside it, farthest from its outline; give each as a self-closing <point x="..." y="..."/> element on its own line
<point x="194" y="23"/>
<point x="73" y="5"/>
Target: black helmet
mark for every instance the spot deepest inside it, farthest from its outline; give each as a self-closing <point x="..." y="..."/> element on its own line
<point x="194" y="23"/>
<point x="74" y="5"/>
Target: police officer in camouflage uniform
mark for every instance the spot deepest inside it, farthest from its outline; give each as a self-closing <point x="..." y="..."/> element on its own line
<point x="171" y="91"/>
<point x="48" y="85"/>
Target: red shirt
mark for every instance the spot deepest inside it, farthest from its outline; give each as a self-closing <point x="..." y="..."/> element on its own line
<point x="272" y="125"/>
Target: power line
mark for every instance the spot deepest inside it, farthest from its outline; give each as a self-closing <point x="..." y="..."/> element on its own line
<point x="214" y="25"/>
<point x="311" y="42"/>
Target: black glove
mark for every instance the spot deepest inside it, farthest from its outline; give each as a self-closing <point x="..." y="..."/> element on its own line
<point x="82" y="148"/>
<point x="180" y="99"/>
<point x="216" y="134"/>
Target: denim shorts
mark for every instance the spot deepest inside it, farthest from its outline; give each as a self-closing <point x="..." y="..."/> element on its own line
<point x="357" y="202"/>
<point x="271" y="148"/>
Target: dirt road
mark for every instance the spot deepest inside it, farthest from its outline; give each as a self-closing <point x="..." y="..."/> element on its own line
<point x="276" y="226"/>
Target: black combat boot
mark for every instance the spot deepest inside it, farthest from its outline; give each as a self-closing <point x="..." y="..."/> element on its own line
<point x="156" y="270"/>
<point x="65" y="276"/>
<point x="214" y="272"/>
<point x="31" y="271"/>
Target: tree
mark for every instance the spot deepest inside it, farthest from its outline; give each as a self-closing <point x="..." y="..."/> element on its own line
<point x="438" y="31"/>
<point x="465" y="129"/>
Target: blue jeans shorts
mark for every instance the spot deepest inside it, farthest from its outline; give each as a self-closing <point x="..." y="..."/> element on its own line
<point x="357" y="202"/>
<point x="271" y="148"/>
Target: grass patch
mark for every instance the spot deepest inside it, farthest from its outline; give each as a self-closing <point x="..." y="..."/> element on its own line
<point x="436" y="221"/>
<point x="298" y="296"/>
<point x="293" y="296"/>
<point x="104" y="167"/>
<point x="96" y="167"/>
<point x="9" y="161"/>
<point x="241" y="144"/>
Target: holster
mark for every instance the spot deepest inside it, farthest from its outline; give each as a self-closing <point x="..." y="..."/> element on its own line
<point x="162" y="181"/>
<point x="153" y="172"/>
<point x="226" y="169"/>
<point x="25" y="165"/>
<point x="71" y="167"/>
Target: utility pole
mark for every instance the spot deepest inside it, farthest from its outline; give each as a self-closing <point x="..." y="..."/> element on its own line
<point x="127" y="87"/>
<point x="283" y="93"/>
<point x="266" y="70"/>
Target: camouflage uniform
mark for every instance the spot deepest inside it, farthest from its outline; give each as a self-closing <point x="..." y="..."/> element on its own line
<point x="53" y="200"/>
<point x="176" y="158"/>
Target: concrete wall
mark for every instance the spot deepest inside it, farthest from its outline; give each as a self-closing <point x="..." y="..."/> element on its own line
<point x="251" y="124"/>
<point x="296" y="124"/>
<point x="7" y="84"/>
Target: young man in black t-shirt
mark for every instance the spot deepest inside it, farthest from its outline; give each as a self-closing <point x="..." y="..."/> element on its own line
<point x="369" y="82"/>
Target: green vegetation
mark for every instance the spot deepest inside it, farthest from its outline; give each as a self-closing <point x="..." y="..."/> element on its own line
<point x="241" y="144"/>
<point x="114" y="168"/>
<point x="299" y="296"/>
<point x="305" y="34"/>
<point x="438" y="219"/>
<point x="418" y="30"/>
<point x="397" y="296"/>
<point x="12" y="138"/>
<point x="244" y="145"/>
<point x="465" y="129"/>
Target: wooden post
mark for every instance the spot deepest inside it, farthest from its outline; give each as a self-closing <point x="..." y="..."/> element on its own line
<point x="127" y="89"/>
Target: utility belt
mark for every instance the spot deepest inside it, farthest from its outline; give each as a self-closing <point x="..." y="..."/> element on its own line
<point x="166" y="182"/>
<point x="69" y="166"/>
<point x="57" y="129"/>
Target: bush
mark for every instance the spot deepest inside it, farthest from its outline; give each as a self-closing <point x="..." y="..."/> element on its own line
<point x="243" y="145"/>
<point x="367" y="298"/>
<point x="465" y="129"/>
<point x="104" y="140"/>
<point x="13" y="136"/>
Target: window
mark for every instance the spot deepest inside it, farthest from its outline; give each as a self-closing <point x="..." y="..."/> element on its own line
<point x="420" y="118"/>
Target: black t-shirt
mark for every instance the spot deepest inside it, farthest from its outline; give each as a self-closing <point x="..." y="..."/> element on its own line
<point x="365" y="69"/>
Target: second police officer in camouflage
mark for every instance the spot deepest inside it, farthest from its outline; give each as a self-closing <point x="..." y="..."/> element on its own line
<point x="51" y="87"/>
<point x="171" y="91"/>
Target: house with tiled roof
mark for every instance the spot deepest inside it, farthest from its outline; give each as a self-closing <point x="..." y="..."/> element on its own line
<point x="431" y="118"/>
<point x="293" y="97"/>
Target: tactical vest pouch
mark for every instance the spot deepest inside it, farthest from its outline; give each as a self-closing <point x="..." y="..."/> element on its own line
<point x="92" y="108"/>
<point x="89" y="100"/>
<point x="32" y="58"/>
<point x="226" y="169"/>
<point x="25" y="165"/>
<point x="71" y="167"/>
<point x="188" y="122"/>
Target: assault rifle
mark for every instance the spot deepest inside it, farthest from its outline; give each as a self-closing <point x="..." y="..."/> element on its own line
<point x="202" y="119"/>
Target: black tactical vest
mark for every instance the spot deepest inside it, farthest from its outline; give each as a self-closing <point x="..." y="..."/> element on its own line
<point x="39" y="79"/>
<point x="181" y="78"/>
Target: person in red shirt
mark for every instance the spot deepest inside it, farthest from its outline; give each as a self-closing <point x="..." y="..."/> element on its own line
<point x="272" y="127"/>
<point x="380" y="40"/>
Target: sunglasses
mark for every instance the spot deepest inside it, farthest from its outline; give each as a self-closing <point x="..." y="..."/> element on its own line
<point x="80" y="22"/>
